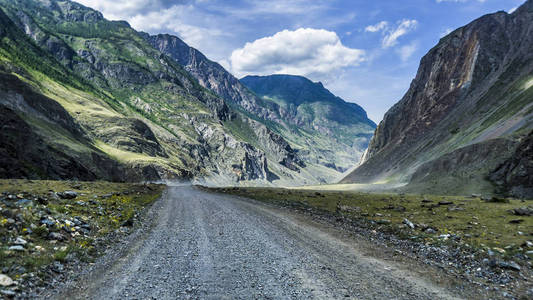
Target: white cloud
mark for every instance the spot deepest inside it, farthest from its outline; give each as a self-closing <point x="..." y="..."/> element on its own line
<point x="305" y="51"/>
<point x="446" y="32"/>
<point x="178" y="17"/>
<point x="170" y="19"/>
<point x="407" y="51"/>
<point x="377" y="27"/>
<point x="404" y="27"/>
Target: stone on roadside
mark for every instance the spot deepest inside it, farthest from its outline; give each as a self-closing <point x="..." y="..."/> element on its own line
<point x="523" y="211"/>
<point x="6" y="280"/>
<point x="68" y="195"/>
<point x="20" y="241"/>
<point x="499" y="250"/>
<point x="56" y="236"/>
<point x="409" y="223"/>
<point x="16" y="248"/>
<point x="505" y="264"/>
<point x="430" y="230"/>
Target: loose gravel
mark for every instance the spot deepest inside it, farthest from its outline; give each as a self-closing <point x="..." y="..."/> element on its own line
<point x="211" y="246"/>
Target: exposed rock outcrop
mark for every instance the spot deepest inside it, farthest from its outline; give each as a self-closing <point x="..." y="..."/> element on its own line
<point x="515" y="175"/>
<point x="474" y="86"/>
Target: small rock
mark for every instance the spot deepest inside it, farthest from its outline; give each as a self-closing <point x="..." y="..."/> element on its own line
<point x="383" y="222"/>
<point x="58" y="267"/>
<point x="68" y="195"/>
<point x="445" y="202"/>
<point x="430" y="230"/>
<point x="505" y="265"/>
<point x="16" y="248"/>
<point x="409" y="223"/>
<point x="8" y="293"/>
<point x="487" y="198"/>
<point x="48" y="222"/>
<point x="20" y="241"/>
<point x="6" y="280"/>
<point x="56" y="236"/>
<point x="42" y="200"/>
<point x="444" y="236"/>
<point x="499" y="250"/>
<point x="24" y="203"/>
<point x="523" y="211"/>
<point x="476" y="195"/>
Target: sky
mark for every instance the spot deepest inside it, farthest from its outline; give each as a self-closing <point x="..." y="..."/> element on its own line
<point x="366" y="52"/>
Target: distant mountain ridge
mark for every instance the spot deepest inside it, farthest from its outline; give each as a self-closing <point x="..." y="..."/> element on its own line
<point x="103" y="101"/>
<point x="318" y="147"/>
<point x="341" y="129"/>
<point x="465" y="113"/>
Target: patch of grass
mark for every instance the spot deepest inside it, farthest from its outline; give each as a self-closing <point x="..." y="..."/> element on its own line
<point x="479" y="224"/>
<point x="104" y="206"/>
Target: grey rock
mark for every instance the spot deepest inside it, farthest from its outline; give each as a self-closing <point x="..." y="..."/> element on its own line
<point x="8" y="293"/>
<point x="409" y="223"/>
<point x="523" y="211"/>
<point x="16" y="248"/>
<point x="20" y="241"/>
<point x="504" y="264"/>
<point x="6" y="280"/>
<point x="430" y="230"/>
<point x="56" y="236"/>
<point x="67" y="195"/>
<point x="383" y="222"/>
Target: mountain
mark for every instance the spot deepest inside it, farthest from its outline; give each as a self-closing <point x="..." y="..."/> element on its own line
<point x="323" y="147"/>
<point x="465" y="123"/>
<point x="324" y="127"/>
<point x="87" y="98"/>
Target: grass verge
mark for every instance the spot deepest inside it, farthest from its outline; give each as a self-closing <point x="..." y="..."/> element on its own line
<point x="50" y="228"/>
<point x="468" y="221"/>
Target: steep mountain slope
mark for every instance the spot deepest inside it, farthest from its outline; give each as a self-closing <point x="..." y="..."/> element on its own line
<point x="340" y="130"/>
<point x="465" y="113"/>
<point x="326" y="150"/>
<point x="95" y="93"/>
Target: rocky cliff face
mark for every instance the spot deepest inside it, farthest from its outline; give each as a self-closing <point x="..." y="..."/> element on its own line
<point x="515" y="175"/>
<point x="474" y="86"/>
<point x="102" y="103"/>
<point x="213" y="76"/>
<point x="327" y="146"/>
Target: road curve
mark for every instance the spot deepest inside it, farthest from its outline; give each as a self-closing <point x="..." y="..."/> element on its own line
<point x="211" y="246"/>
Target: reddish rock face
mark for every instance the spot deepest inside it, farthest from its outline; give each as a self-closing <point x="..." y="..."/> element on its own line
<point x="468" y="89"/>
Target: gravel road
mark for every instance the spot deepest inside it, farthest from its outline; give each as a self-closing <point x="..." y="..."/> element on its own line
<point x="211" y="246"/>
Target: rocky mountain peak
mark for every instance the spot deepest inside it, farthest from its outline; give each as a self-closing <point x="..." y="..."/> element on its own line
<point x="466" y="87"/>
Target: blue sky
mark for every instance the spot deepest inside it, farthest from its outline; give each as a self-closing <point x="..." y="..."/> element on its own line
<point x="363" y="51"/>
